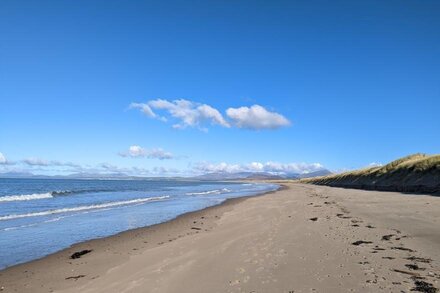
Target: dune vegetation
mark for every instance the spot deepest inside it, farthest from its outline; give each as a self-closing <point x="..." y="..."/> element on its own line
<point x="419" y="173"/>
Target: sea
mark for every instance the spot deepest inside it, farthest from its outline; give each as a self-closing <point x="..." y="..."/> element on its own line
<point x="42" y="216"/>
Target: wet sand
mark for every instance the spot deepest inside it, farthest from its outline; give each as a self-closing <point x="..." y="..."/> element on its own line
<point x="304" y="238"/>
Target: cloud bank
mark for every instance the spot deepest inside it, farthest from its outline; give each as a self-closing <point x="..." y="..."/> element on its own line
<point x="50" y="167"/>
<point x="191" y="114"/>
<point x="136" y="151"/>
<point x="269" y="167"/>
<point x="2" y="159"/>
<point x="59" y="167"/>
<point x="44" y="163"/>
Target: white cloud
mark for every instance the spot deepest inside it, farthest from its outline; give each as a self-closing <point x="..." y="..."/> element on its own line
<point x="165" y="171"/>
<point x="300" y="168"/>
<point x="256" y="117"/>
<point x="375" y="164"/>
<point x="144" y="109"/>
<point x="3" y="159"/>
<point x="108" y="168"/>
<point x="44" y="163"/>
<point x="209" y="113"/>
<point x="205" y="167"/>
<point x="189" y="114"/>
<point x="36" y="162"/>
<point x="269" y="167"/>
<point x="160" y="154"/>
<point x="34" y="165"/>
<point x="136" y="151"/>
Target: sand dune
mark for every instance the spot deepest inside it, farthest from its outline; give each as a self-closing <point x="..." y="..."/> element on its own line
<point x="415" y="173"/>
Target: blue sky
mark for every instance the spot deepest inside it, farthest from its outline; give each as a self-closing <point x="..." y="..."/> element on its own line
<point x="357" y="82"/>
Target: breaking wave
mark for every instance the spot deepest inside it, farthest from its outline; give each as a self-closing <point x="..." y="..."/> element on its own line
<point x="26" y="197"/>
<point x="34" y="196"/>
<point x="83" y="208"/>
<point x="215" y="191"/>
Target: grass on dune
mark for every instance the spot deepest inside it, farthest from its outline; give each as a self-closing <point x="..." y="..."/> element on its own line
<point x="414" y="173"/>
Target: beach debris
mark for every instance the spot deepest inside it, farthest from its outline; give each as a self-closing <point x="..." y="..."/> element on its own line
<point x="416" y="275"/>
<point x="359" y="242"/>
<point x="388" y="257"/>
<point x="414" y="267"/>
<point x="422" y="286"/>
<point x="78" y="254"/>
<point x="378" y="248"/>
<point x="370" y="227"/>
<point x="419" y="259"/>
<point x="402" y="248"/>
<point x="387" y="237"/>
<point x="196" y="228"/>
<point x="75" y="277"/>
<point x="341" y="216"/>
<point x="314" y="219"/>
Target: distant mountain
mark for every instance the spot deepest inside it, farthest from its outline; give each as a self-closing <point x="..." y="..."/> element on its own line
<point x="208" y="176"/>
<point x="223" y="176"/>
<point x="263" y="176"/>
<point x="415" y="173"/>
<point x="323" y="172"/>
<point x="96" y="175"/>
<point x="259" y="175"/>
<point x="16" y="175"/>
<point x="28" y="175"/>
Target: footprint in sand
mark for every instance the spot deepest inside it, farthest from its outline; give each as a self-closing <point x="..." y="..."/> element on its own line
<point x="241" y="270"/>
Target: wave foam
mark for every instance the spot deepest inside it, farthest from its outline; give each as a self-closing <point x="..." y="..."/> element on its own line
<point x="215" y="191"/>
<point x="83" y="208"/>
<point x="26" y="197"/>
<point x="34" y="196"/>
<point x="61" y="192"/>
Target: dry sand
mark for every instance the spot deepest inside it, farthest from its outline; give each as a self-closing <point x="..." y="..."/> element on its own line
<point x="303" y="238"/>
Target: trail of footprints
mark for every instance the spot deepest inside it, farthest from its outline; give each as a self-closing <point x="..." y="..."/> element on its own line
<point x="419" y="273"/>
<point x="260" y="258"/>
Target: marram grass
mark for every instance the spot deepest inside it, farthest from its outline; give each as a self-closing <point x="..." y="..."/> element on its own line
<point x="418" y="173"/>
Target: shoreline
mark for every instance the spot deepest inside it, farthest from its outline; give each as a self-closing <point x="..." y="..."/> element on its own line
<point x="299" y="237"/>
<point x="77" y="246"/>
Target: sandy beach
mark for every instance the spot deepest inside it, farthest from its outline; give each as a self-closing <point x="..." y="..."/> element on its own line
<point x="303" y="238"/>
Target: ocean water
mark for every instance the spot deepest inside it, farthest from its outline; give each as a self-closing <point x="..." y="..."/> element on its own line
<point x="42" y="216"/>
